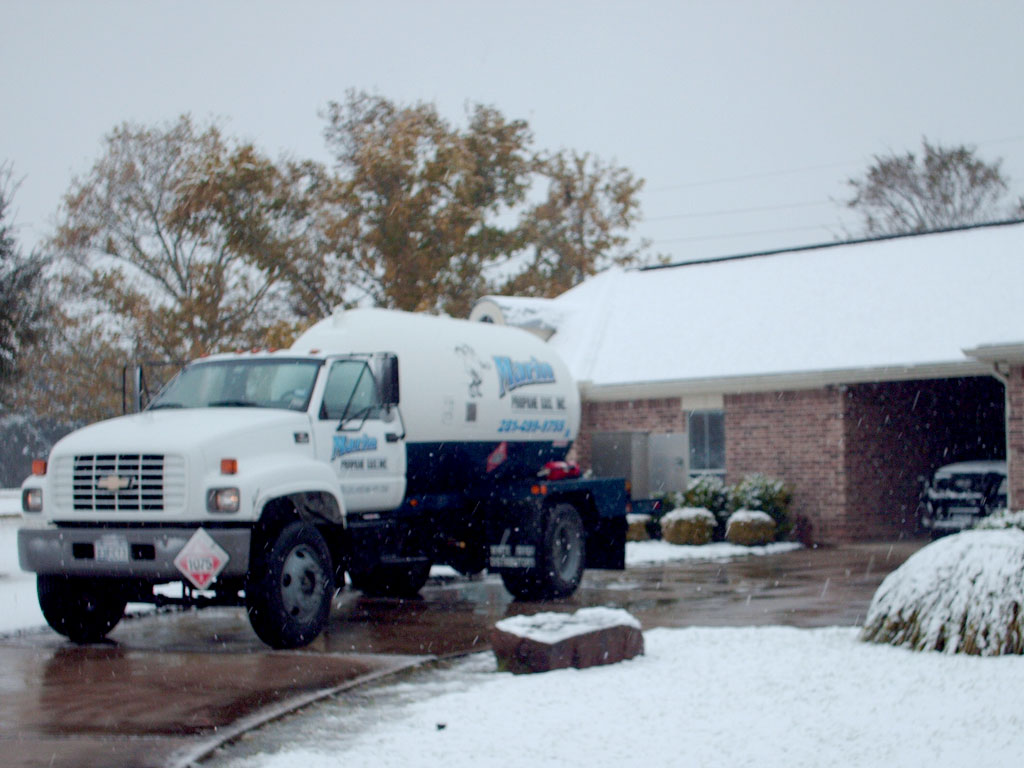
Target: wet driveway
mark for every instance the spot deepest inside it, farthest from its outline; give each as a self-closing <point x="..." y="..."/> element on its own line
<point x="169" y="686"/>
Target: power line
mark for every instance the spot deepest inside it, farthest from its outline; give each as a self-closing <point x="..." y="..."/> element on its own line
<point x="739" y="234"/>
<point x="806" y="169"/>
<point x="750" y="177"/>
<point x="729" y="212"/>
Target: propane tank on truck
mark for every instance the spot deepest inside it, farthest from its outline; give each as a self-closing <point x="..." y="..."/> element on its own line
<point x="381" y="443"/>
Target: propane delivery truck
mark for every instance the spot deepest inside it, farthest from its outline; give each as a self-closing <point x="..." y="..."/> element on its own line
<point x="379" y="444"/>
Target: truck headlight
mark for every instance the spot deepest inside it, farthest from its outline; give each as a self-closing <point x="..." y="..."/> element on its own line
<point x="32" y="500"/>
<point x="223" y="500"/>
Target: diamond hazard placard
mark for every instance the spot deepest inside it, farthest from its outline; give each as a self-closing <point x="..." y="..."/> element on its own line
<point x="201" y="559"/>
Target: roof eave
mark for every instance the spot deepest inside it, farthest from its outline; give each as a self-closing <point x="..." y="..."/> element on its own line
<point x="998" y="353"/>
<point x="776" y="382"/>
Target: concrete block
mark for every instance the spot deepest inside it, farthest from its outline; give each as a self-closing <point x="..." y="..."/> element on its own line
<point x="546" y="641"/>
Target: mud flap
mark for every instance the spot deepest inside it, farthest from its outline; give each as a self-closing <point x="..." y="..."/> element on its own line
<point x="606" y="543"/>
<point x="514" y="546"/>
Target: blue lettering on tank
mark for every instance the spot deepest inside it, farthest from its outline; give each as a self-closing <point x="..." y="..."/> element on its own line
<point x="514" y="374"/>
<point x="343" y="444"/>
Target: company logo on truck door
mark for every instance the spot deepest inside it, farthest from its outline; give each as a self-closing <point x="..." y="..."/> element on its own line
<point x="343" y="444"/>
<point x="514" y="374"/>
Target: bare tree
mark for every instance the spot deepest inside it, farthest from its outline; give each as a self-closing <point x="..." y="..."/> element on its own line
<point x="22" y="300"/>
<point x="942" y="187"/>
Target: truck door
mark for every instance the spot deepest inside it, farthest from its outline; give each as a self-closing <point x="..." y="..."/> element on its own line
<point x="362" y="438"/>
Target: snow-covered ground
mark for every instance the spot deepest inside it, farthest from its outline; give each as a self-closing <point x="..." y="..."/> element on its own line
<point x="758" y="696"/>
<point x="764" y="696"/>
<point x="18" y="606"/>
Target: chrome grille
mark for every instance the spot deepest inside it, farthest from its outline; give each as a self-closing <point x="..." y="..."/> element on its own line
<point x="124" y="482"/>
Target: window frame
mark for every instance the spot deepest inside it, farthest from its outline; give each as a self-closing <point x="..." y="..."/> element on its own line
<point x="707" y="451"/>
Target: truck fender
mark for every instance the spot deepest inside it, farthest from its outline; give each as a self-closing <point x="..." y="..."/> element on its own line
<point x="312" y="486"/>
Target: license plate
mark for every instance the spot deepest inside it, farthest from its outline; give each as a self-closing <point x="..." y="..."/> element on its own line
<point x="111" y="549"/>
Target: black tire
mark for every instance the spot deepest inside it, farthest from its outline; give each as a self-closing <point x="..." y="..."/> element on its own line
<point x="83" y="610"/>
<point x="392" y="580"/>
<point x="561" y="558"/>
<point x="290" y="587"/>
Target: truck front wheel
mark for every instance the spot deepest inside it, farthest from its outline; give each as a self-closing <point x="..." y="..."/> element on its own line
<point x="290" y="587"/>
<point x="83" y="610"/>
<point x="561" y="557"/>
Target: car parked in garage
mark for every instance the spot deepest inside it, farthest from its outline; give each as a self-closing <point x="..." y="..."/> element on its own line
<point x="960" y="494"/>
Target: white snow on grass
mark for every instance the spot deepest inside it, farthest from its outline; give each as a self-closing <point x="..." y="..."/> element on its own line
<point x="765" y="696"/>
<point x="19" y="608"/>
<point x="654" y="552"/>
<point x="10" y="502"/>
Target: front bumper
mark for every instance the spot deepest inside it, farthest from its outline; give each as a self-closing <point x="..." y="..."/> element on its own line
<point x="150" y="552"/>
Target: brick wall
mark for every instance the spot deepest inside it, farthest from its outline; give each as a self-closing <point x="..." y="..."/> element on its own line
<point x="796" y="437"/>
<point x="887" y="449"/>
<point x="1015" y="435"/>
<point x="655" y="416"/>
<point x="851" y="454"/>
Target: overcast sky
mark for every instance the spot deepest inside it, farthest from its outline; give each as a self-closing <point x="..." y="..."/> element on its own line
<point x="743" y="117"/>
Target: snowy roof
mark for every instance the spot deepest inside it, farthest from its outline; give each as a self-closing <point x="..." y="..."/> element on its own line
<point x="541" y="316"/>
<point x="871" y="311"/>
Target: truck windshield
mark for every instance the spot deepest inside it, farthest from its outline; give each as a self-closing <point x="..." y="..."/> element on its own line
<point x="278" y="383"/>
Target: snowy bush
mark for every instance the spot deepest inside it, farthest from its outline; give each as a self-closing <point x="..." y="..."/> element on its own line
<point x="961" y="594"/>
<point x="1000" y="520"/>
<point x="765" y="494"/>
<point x="750" y="528"/>
<point x="709" y="492"/>
<point x="690" y="525"/>
<point x="638" y="527"/>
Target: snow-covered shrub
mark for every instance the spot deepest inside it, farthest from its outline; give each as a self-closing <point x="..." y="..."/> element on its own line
<point x="750" y="528"/>
<point x="689" y="525"/>
<point x="709" y="492"/>
<point x="1001" y="519"/>
<point x="670" y="500"/>
<point x="961" y="594"/>
<point x="765" y="494"/>
<point x="637" y="527"/>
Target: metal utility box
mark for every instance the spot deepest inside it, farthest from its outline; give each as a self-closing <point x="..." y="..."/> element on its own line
<point x="653" y="463"/>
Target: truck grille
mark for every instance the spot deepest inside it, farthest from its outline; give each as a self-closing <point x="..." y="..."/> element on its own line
<point x="125" y="482"/>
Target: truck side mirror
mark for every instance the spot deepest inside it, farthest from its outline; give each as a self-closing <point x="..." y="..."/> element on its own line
<point x="389" y="393"/>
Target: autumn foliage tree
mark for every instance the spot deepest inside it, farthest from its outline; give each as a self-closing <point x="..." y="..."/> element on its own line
<point x="418" y="201"/>
<point x="580" y="227"/>
<point x="164" y="234"/>
<point x="430" y="216"/>
<point x="180" y="241"/>
<point x="941" y="188"/>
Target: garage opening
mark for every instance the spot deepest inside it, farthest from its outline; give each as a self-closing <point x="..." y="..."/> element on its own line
<point x="898" y="433"/>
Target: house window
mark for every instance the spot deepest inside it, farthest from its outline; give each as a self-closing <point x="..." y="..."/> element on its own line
<point x="707" y="442"/>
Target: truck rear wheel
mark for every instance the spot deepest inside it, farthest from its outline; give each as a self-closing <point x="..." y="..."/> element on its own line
<point x="561" y="557"/>
<point x="83" y="610"/>
<point x="290" y="587"/>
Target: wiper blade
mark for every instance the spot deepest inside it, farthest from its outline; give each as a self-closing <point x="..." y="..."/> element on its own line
<point x="234" y="404"/>
<point x="157" y="406"/>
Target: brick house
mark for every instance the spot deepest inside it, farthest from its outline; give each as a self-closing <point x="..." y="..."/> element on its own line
<point x="847" y="370"/>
